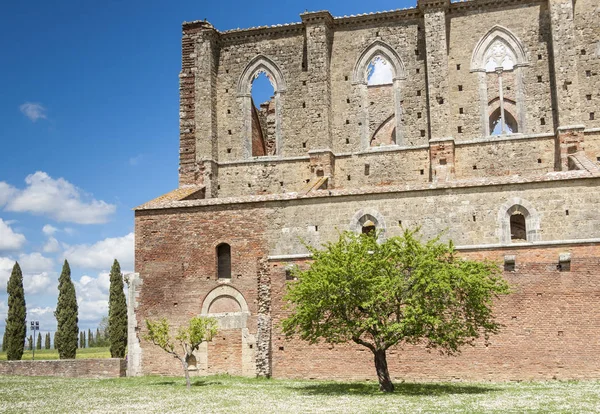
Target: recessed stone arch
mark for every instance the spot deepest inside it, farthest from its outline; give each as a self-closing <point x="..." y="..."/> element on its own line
<point x="532" y="220"/>
<point x="260" y="64"/>
<point x="378" y="48"/>
<point x="368" y="214"/>
<point x="512" y="58"/>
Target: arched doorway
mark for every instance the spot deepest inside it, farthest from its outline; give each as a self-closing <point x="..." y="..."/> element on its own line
<point x="232" y="351"/>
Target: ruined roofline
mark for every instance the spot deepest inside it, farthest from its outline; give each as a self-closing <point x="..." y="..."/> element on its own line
<point x="354" y="19"/>
<point x="172" y="203"/>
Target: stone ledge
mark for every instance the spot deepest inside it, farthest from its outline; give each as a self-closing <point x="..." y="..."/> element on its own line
<point x="429" y="186"/>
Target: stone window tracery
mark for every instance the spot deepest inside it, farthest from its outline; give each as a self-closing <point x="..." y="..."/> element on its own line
<point x="519" y="222"/>
<point x="499" y="59"/>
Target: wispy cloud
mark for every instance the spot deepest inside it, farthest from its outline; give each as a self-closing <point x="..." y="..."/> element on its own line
<point x="33" y="111"/>
<point x="133" y="161"/>
<point x="55" y="198"/>
<point x="101" y="254"/>
<point x="9" y="240"/>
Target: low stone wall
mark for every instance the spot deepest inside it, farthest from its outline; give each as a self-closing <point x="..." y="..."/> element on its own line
<point x="74" y="368"/>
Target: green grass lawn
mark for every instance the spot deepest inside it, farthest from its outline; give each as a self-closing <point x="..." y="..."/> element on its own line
<point x="53" y="354"/>
<point x="224" y="394"/>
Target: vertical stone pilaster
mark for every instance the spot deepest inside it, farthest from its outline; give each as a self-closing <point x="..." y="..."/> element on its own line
<point x="263" y="334"/>
<point x="441" y="157"/>
<point x="322" y="164"/>
<point x="134" y="350"/>
<point x="198" y="90"/>
<point x="569" y="140"/>
<point x="209" y="171"/>
<point x="319" y="39"/>
<point x="434" y="14"/>
<point x="565" y="59"/>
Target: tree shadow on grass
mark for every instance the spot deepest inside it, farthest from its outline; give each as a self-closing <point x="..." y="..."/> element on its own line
<point x="196" y="383"/>
<point x="415" y="389"/>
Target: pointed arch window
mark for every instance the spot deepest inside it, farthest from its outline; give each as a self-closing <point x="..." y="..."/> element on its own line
<point x="499" y="58"/>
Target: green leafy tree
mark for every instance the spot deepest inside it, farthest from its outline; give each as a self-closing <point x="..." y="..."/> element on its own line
<point x="38" y="345"/>
<point x="15" y="329"/>
<point x="189" y="338"/>
<point x="47" y="341"/>
<point x="401" y="290"/>
<point x="66" y="316"/>
<point x="117" y="313"/>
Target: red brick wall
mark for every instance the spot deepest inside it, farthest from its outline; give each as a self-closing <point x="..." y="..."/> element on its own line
<point x="74" y="368"/>
<point x="176" y="259"/>
<point x="551" y="330"/>
<point x="225" y="353"/>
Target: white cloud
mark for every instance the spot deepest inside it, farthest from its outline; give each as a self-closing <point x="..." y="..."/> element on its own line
<point x="38" y="283"/>
<point x="133" y="161"/>
<point x="92" y="297"/>
<point x="51" y="246"/>
<point x="33" y="111"/>
<point x="49" y="230"/>
<point x="101" y="255"/>
<point x="6" y="265"/>
<point x="9" y="240"/>
<point x="55" y="198"/>
<point x="35" y="262"/>
<point x="381" y="72"/>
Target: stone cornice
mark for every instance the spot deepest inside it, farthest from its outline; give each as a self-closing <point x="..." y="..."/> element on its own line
<point x="409" y="187"/>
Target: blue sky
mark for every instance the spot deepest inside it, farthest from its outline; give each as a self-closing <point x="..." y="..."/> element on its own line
<point x="89" y="112"/>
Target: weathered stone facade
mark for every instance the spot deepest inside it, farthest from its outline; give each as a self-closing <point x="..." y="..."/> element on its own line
<point x="489" y="128"/>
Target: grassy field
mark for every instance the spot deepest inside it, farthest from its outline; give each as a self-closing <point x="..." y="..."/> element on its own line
<point x="224" y="394"/>
<point x="53" y="354"/>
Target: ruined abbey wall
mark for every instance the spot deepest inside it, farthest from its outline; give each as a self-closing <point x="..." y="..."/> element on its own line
<point x="490" y="118"/>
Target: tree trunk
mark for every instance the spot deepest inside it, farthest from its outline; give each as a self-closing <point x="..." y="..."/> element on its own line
<point x="383" y="375"/>
<point x="187" y="373"/>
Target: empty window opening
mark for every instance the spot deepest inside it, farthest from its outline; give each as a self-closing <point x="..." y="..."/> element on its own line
<point x="229" y="111"/>
<point x="440" y="100"/>
<point x="303" y="83"/>
<point x="518" y="228"/>
<point x="588" y="97"/>
<point x="583" y="52"/>
<point x="379" y="72"/>
<point x="542" y="121"/>
<point x="347" y="140"/>
<point x="347" y="100"/>
<point x="304" y="145"/>
<point x="224" y="261"/>
<point x="592" y="116"/>
<point x="422" y="132"/>
<point x="349" y="178"/>
<point x="347" y="121"/>
<point x="458" y="67"/>
<point x="461" y="110"/>
<point x="303" y="104"/>
<point x="460" y="88"/>
<point x="540" y="80"/>
<point x="460" y="130"/>
<point x="474" y="217"/>
<point x="419" y="93"/>
<point x="566" y="212"/>
<point x="539" y="57"/>
<point x="588" y="73"/>
<point x="228" y="150"/>
<point x="368" y="227"/>
<point x="418" y="70"/>
<point x="346" y="78"/>
<point x="539" y="160"/>
<point x="422" y="172"/>
<point x="226" y="90"/>
<point x="499" y="126"/>
<point x="263" y="115"/>
<point x="419" y="115"/>
<point x="229" y="132"/>
<point x="474" y="167"/>
<point x="367" y="169"/>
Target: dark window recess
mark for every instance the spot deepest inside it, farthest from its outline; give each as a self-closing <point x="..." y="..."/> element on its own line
<point x="422" y="132"/>
<point x="288" y="274"/>
<point x="540" y="79"/>
<point x="458" y="67"/>
<point x="418" y="93"/>
<point x="367" y="169"/>
<point x="509" y="266"/>
<point x="460" y="130"/>
<point x="419" y="115"/>
<point x="542" y="121"/>
<point x="564" y="267"/>
<point x="518" y="228"/>
<point x="460" y="88"/>
<point x="368" y="227"/>
<point x="592" y="116"/>
<point x="588" y="97"/>
<point x="345" y="77"/>
<point x="539" y="160"/>
<point x="539" y="57"/>
<point x="224" y="261"/>
<point x="461" y="110"/>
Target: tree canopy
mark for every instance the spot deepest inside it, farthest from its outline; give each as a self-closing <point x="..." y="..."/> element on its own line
<point x="188" y="338"/>
<point x="16" y="329"/>
<point x="401" y="290"/>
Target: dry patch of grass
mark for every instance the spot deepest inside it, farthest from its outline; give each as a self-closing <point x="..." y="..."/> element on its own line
<point x="224" y="394"/>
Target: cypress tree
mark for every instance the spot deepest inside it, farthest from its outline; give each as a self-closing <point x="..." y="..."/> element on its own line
<point x="47" y="343"/>
<point x="4" y="341"/>
<point x="117" y="313"/>
<point x="30" y="343"/>
<point x="90" y="339"/>
<point x="54" y="340"/>
<point x="15" y="330"/>
<point x="39" y="341"/>
<point x="66" y="316"/>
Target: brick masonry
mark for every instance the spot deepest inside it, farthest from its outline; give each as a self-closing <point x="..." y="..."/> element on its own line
<point x="72" y="368"/>
<point x="335" y="166"/>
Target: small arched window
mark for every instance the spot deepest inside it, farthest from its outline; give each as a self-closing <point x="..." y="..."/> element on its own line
<point x="368" y="227"/>
<point x="518" y="227"/>
<point x="224" y="261"/>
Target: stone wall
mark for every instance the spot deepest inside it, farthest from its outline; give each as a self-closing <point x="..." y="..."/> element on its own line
<point x="73" y="368"/>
